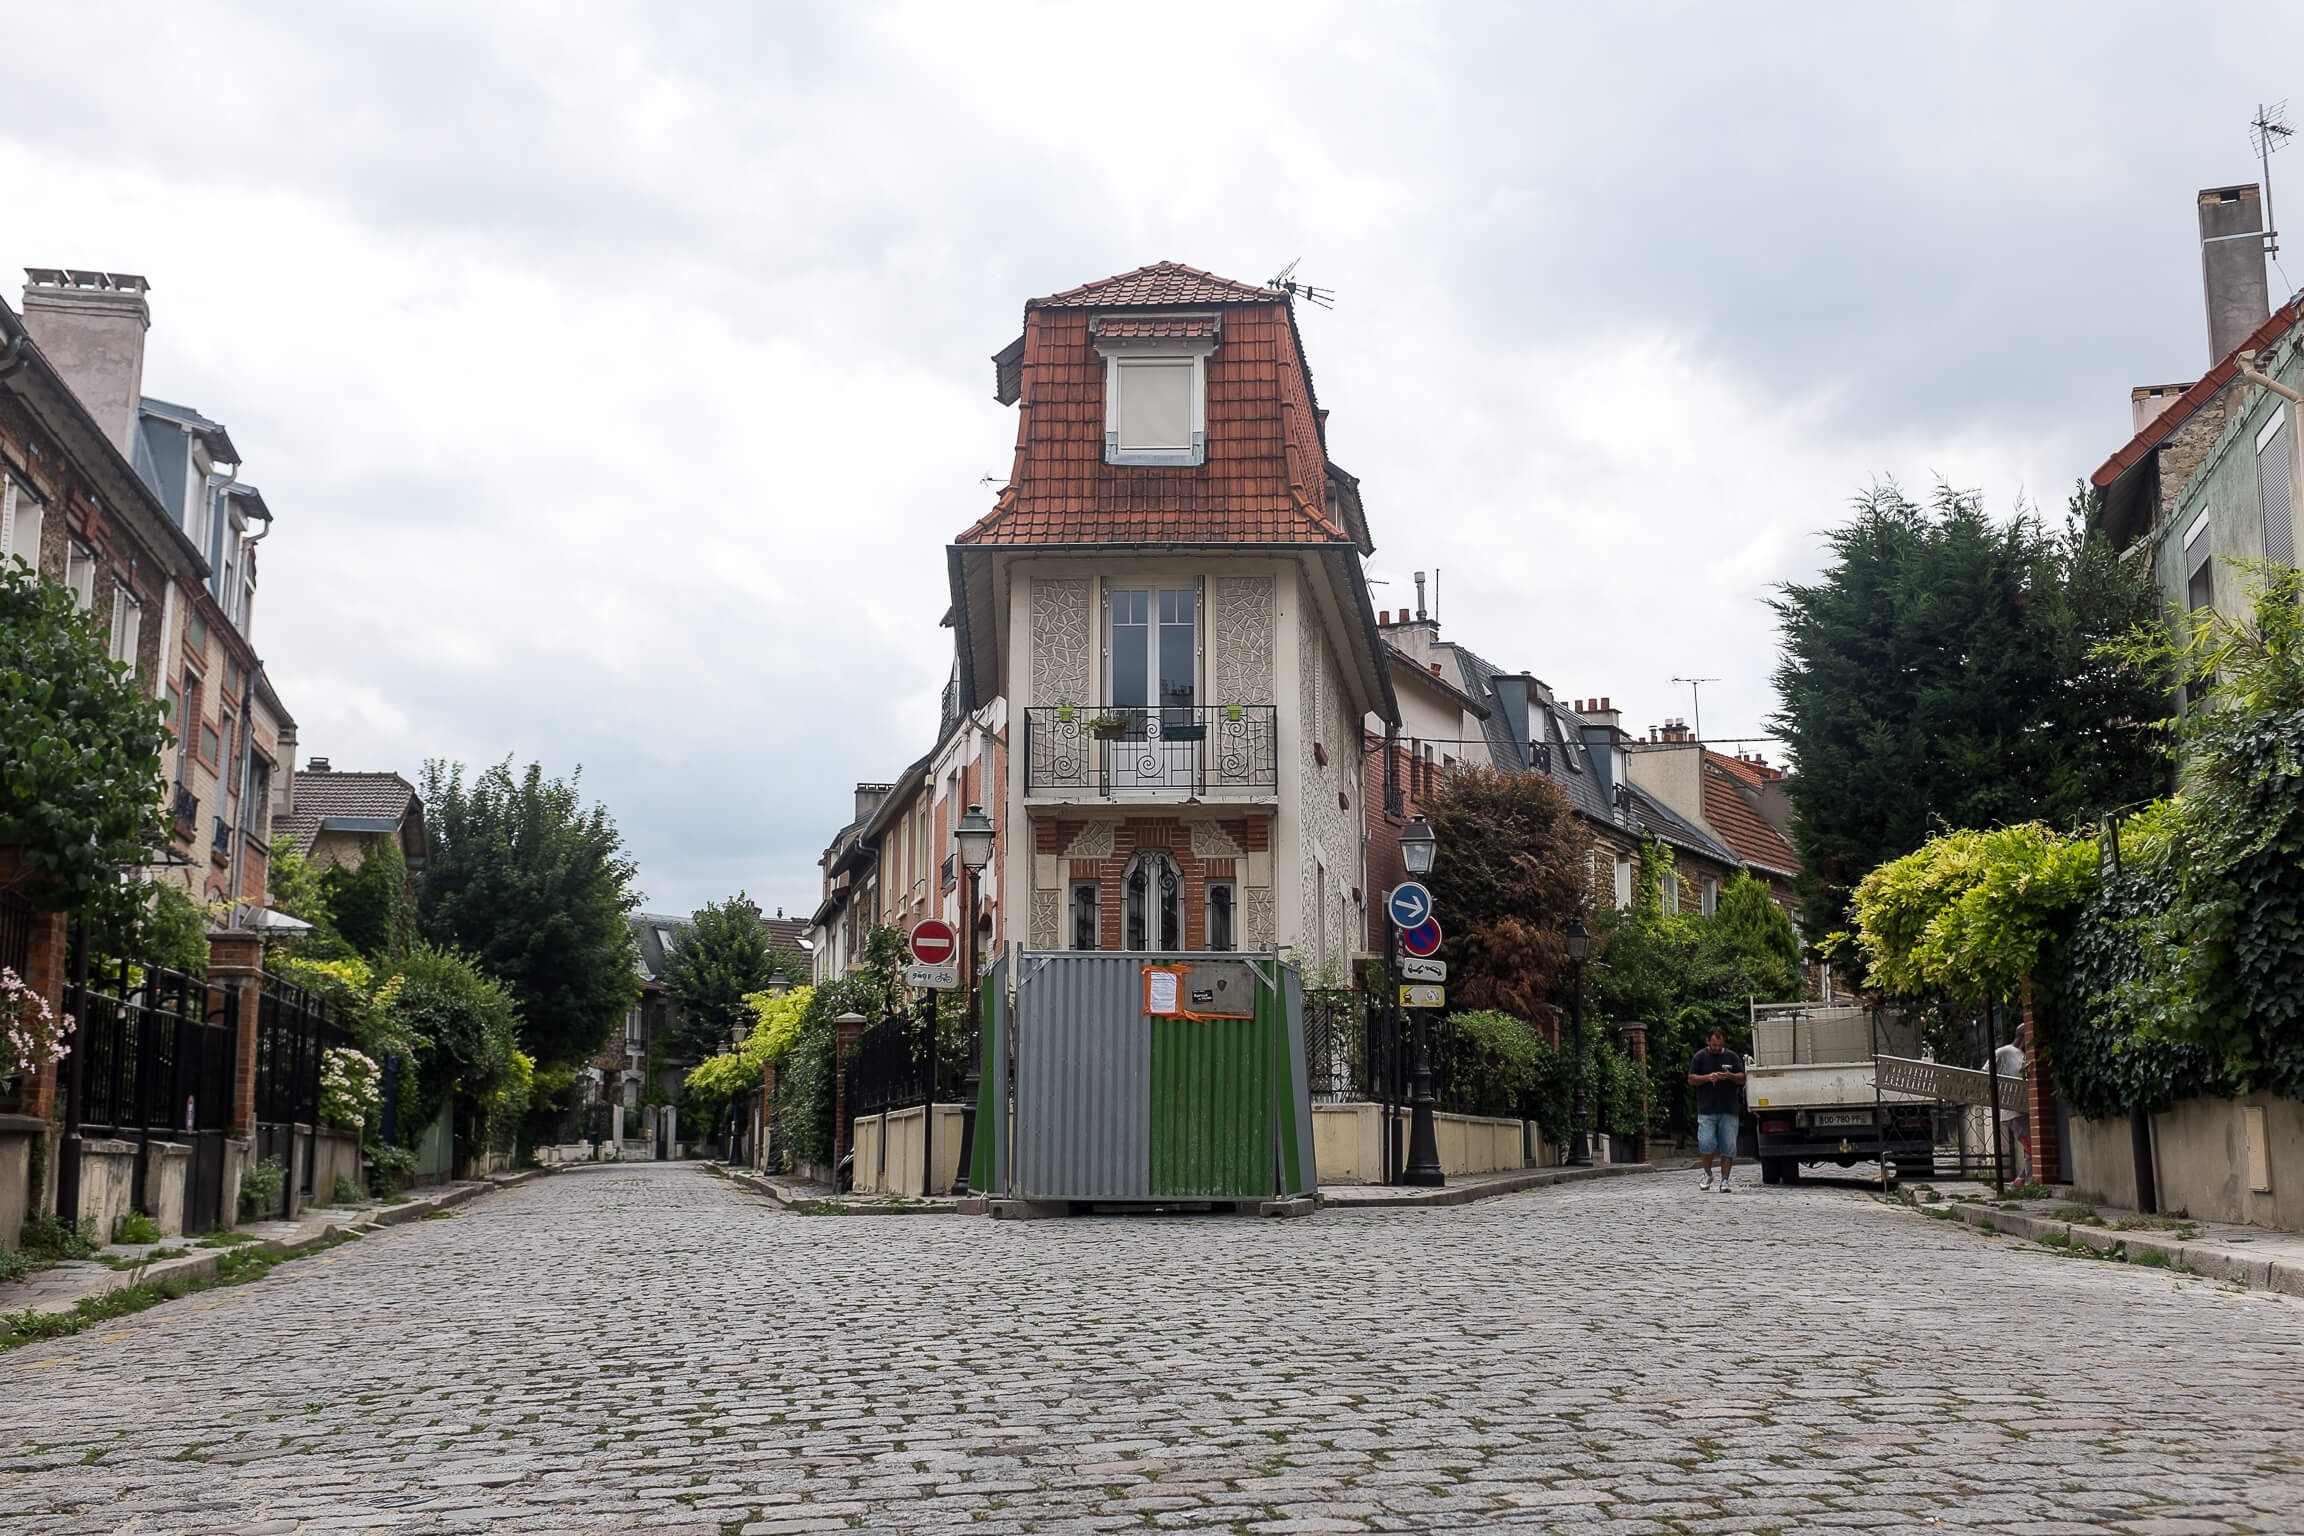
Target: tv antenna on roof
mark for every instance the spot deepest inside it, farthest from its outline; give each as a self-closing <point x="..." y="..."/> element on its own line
<point x="1696" y="697"/>
<point x="2268" y="131"/>
<point x="1285" y="281"/>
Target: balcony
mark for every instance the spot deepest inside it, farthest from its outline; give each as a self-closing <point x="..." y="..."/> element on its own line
<point x="1208" y="751"/>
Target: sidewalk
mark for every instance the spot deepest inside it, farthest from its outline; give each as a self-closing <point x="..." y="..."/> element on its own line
<point x="820" y="1200"/>
<point x="1463" y="1188"/>
<point x="59" y="1288"/>
<point x="2257" y="1257"/>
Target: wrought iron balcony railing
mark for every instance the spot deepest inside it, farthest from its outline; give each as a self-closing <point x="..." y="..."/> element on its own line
<point x="1192" y="751"/>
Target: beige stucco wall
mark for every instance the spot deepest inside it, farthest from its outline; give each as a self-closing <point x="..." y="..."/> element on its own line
<point x="1348" y="1143"/>
<point x="107" y="1179"/>
<point x="900" y="1130"/>
<point x="2201" y="1161"/>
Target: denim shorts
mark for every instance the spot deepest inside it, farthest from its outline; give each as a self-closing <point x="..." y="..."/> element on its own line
<point x="1716" y="1135"/>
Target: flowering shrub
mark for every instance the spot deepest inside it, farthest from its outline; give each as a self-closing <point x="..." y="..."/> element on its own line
<point x="31" y="1035"/>
<point x="349" y="1088"/>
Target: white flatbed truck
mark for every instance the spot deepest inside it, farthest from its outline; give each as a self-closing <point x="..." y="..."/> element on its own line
<point x="1813" y="1085"/>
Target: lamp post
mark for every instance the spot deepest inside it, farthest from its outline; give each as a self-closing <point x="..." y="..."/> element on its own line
<point x="1579" y="945"/>
<point x="972" y="836"/>
<point x="1417" y="846"/>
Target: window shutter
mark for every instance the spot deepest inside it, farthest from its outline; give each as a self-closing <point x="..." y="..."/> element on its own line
<point x="2274" y="492"/>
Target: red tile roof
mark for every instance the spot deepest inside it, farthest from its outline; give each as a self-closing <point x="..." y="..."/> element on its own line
<point x="1740" y="826"/>
<point x="1164" y="327"/>
<point x="1265" y="476"/>
<point x="2157" y="430"/>
<point x="1163" y="282"/>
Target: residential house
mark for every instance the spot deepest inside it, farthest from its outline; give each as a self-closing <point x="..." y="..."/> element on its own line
<point x="137" y="505"/>
<point x="2208" y="478"/>
<point x="335" y="820"/>
<point x="1164" y="620"/>
<point x="1737" y="800"/>
<point x="896" y="863"/>
<point x="1523" y="727"/>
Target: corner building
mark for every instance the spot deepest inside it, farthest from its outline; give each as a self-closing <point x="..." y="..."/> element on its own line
<point x="1167" y="599"/>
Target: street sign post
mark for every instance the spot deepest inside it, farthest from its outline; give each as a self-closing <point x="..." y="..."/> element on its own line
<point x="1409" y="904"/>
<point x="935" y="954"/>
<point x="1413" y="968"/>
<point x="1423" y="940"/>
<point x="1423" y="995"/>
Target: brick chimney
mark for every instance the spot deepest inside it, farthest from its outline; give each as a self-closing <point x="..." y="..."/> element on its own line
<point x="2232" y="266"/>
<point x="91" y="326"/>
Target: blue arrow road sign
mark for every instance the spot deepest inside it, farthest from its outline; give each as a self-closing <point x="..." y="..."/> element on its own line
<point x="1410" y="904"/>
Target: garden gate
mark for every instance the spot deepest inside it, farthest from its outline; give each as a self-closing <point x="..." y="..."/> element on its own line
<point x="152" y="1061"/>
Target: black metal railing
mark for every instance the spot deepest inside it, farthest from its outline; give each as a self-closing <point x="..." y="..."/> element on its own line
<point x="18" y="919"/>
<point x="1188" y="750"/>
<point x="157" y="1051"/>
<point x="293" y="1034"/>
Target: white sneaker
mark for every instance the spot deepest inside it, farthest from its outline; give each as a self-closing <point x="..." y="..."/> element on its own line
<point x="1724" y="1186"/>
<point x="1706" y="1187"/>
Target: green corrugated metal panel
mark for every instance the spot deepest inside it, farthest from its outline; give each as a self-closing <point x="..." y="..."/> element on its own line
<point x="991" y="1122"/>
<point x="1212" y="1093"/>
<point x="1292" y="1098"/>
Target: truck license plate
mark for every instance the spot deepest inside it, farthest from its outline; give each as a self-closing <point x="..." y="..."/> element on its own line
<point x="1841" y="1117"/>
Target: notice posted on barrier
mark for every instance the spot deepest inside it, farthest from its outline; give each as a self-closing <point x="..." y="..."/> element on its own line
<point x="1163" y="991"/>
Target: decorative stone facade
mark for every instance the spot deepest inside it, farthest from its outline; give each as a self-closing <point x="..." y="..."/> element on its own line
<point x="1331" y="926"/>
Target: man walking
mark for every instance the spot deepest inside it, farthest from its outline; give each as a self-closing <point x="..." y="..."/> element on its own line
<point x="1717" y="1074"/>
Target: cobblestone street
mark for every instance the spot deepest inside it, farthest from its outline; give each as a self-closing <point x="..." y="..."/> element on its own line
<point x="649" y="1347"/>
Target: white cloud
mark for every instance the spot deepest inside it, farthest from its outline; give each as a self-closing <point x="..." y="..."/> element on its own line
<point x="618" y="373"/>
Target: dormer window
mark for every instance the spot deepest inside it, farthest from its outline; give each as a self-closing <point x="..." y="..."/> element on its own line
<point x="1155" y="387"/>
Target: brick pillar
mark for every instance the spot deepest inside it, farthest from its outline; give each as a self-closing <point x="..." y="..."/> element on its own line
<point x="1635" y="1038"/>
<point x="44" y="973"/>
<point x="845" y="1029"/>
<point x="236" y="966"/>
<point x="2040" y="1103"/>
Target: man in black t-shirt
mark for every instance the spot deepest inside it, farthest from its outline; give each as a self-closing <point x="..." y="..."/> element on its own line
<point x="1717" y="1074"/>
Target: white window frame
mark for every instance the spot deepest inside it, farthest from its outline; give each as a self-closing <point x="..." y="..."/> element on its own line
<point x="1120" y="355"/>
<point x="20" y="513"/>
<point x="1624" y="883"/>
<point x="127" y="624"/>
<point x="1709" y="895"/>
<point x="1231" y="888"/>
<point x="1668" y="891"/>
<point x="80" y="574"/>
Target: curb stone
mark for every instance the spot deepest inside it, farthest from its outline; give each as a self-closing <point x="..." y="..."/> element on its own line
<point x="1345" y="1197"/>
<point x="2214" y="1261"/>
<point x="100" y="1280"/>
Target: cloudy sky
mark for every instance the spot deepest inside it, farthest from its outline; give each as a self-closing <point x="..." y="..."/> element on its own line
<point x="618" y="372"/>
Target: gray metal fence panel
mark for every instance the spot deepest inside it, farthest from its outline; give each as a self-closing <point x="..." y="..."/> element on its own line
<point x="1083" y="1070"/>
<point x="1300" y="1100"/>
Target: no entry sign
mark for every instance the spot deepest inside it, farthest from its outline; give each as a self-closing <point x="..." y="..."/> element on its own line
<point x="934" y="942"/>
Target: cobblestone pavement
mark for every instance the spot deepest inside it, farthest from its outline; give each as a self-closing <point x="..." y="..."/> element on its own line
<point x="651" y="1348"/>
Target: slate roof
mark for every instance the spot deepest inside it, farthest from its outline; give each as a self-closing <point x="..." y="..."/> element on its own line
<point x="1163" y="282"/>
<point x="645" y="926"/>
<point x="379" y="802"/>
<point x="1660" y="821"/>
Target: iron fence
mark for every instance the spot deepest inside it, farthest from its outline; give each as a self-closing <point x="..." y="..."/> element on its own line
<point x="1182" y="749"/>
<point x="293" y="1034"/>
<point x="156" y="1051"/>
<point x="18" y="919"/>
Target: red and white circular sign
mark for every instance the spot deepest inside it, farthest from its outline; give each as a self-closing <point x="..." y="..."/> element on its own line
<point x="933" y="941"/>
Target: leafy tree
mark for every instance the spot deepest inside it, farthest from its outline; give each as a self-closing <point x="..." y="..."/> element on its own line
<point x="464" y="1028"/>
<point x="80" y="756"/>
<point x="1684" y="974"/>
<point x="368" y="904"/>
<point x="1949" y="671"/>
<point x="1509" y="873"/>
<point x="718" y="958"/>
<point x="535" y="886"/>
<point x="2180" y="974"/>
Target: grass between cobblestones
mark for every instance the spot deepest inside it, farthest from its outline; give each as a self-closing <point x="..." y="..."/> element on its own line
<point x="237" y="1266"/>
<point x="1927" y="1202"/>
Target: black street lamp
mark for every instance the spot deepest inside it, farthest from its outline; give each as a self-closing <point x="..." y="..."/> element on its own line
<point x="1417" y="845"/>
<point x="973" y="837"/>
<point x="1579" y="945"/>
